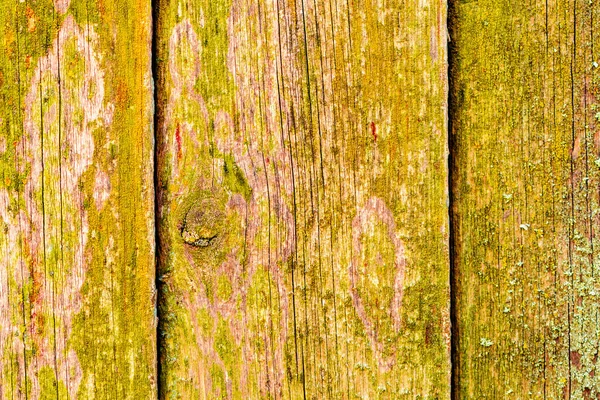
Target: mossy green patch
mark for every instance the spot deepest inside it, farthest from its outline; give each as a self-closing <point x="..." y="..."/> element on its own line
<point x="224" y="289"/>
<point x="205" y="321"/>
<point x="234" y="179"/>
<point x="218" y="382"/>
<point x="50" y="388"/>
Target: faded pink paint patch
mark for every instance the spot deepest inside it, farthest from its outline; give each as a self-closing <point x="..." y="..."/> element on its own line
<point x="10" y="341"/>
<point x="261" y="152"/>
<point x="184" y="65"/>
<point x="184" y="69"/>
<point x="62" y="5"/>
<point x="178" y="140"/>
<point x="101" y="189"/>
<point x="67" y="148"/>
<point x="433" y="42"/>
<point x="375" y="208"/>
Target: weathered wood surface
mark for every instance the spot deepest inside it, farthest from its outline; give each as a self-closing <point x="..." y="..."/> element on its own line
<point x="302" y="186"/>
<point x="526" y="175"/>
<point x="76" y="200"/>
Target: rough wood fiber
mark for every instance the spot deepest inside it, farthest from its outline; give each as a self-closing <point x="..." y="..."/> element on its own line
<point x="76" y="200"/>
<point x="526" y="132"/>
<point x="302" y="177"/>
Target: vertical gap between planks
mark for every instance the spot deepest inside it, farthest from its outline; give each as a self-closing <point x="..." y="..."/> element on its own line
<point x="453" y="276"/>
<point x="155" y="6"/>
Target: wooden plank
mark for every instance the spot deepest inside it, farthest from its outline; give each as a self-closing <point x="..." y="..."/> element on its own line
<point x="76" y="200"/>
<point x="302" y="185"/>
<point x="526" y="174"/>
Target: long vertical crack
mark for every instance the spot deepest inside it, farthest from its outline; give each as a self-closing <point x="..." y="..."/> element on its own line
<point x="452" y="165"/>
<point x="157" y="115"/>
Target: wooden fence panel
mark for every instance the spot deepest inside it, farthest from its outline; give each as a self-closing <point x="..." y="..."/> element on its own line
<point x="526" y="173"/>
<point x="76" y="200"/>
<point x="302" y="189"/>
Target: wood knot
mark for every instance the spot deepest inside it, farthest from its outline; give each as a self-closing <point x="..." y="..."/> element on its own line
<point x="202" y="224"/>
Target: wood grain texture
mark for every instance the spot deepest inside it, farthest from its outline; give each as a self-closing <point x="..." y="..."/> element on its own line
<point x="302" y="188"/>
<point x="526" y="175"/>
<point x="76" y="201"/>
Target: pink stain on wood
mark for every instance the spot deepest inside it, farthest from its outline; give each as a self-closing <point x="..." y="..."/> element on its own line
<point x="184" y="69"/>
<point x="67" y="150"/>
<point x="62" y="5"/>
<point x="101" y="189"/>
<point x="247" y="158"/>
<point x="184" y="66"/>
<point x="178" y="140"/>
<point x="375" y="208"/>
<point x="9" y="251"/>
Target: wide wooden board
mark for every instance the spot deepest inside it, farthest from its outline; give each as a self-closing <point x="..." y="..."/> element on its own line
<point x="77" y="315"/>
<point x="302" y="195"/>
<point x="526" y="173"/>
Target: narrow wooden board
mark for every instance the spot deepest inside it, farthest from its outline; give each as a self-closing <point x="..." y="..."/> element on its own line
<point x="76" y="200"/>
<point x="302" y="186"/>
<point x="526" y="176"/>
